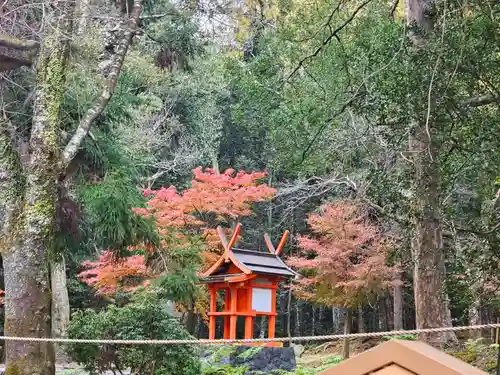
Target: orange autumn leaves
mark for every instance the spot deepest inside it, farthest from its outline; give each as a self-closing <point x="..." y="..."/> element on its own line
<point x="108" y="274"/>
<point x="345" y="263"/>
<point x="213" y="198"/>
<point x="180" y="216"/>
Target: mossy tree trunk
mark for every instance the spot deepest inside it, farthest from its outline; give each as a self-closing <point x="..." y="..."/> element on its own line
<point x="25" y="259"/>
<point x="60" y="302"/>
<point x="28" y="191"/>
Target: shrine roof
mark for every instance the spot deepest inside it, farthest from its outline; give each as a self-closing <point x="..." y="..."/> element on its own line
<point x="263" y="262"/>
<point x="220" y="278"/>
<point x="249" y="262"/>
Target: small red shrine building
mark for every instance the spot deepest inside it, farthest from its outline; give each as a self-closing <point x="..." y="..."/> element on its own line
<point x="249" y="280"/>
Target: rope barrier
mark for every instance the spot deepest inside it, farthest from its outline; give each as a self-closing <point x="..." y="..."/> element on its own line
<point x="244" y="341"/>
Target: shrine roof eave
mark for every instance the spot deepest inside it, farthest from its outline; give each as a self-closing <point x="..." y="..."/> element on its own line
<point x="241" y="277"/>
<point x="251" y="262"/>
<point x="227" y="278"/>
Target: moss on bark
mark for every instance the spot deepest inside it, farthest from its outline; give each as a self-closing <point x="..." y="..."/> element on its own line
<point x="27" y="287"/>
<point x="12" y="369"/>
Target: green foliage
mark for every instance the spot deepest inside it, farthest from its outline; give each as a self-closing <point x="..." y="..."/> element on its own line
<point x="249" y="353"/>
<point x="172" y="39"/>
<point x="224" y="370"/>
<point x="221" y="352"/>
<point x="109" y="219"/>
<point x="401" y="337"/>
<point x="306" y="371"/>
<point x="145" y="318"/>
<point x="336" y="359"/>
<point x="479" y="354"/>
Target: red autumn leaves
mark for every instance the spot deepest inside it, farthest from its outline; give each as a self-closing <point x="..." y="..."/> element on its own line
<point x="212" y="199"/>
<point x="343" y="262"/>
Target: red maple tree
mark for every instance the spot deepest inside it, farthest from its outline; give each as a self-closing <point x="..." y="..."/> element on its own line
<point x="107" y="274"/>
<point x="345" y="263"/>
<point x="213" y="199"/>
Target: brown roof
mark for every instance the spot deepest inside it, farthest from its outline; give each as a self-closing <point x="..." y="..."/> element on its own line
<point x="249" y="262"/>
<point x="265" y="263"/>
<point x="416" y="357"/>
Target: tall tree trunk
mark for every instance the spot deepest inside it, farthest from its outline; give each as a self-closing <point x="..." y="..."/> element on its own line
<point x="60" y="303"/>
<point x="27" y="285"/>
<point x="347" y="330"/>
<point x="313" y="325"/>
<point x="398" y="307"/>
<point x="431" y="302"/>
<point x="83" y="15"/>
<point x="215" y="164"/>
<point x="361" y="319"/>
<point x="298" y="324"/>
<point x="197" y="329"/>
<point x="27" y="309"/>
<point x="262" y="328"/>
<point x="475" y="316"/>
<point x="382" y="314"/>
<point x="321" y="317"/>
<point x="336" y="324"/>
<point x="289" y="314"/>
<point x="190" y="321"/>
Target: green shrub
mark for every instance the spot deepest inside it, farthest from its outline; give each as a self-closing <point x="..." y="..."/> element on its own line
<point x="401" y="337"/>
<point x="250" y="352"/>
<point x="224" y="370"/>
<point x="144" y="318"/>
<point x="336" y="359"/>
<point x="306" y="371"/>
<point x="478" y="354"/>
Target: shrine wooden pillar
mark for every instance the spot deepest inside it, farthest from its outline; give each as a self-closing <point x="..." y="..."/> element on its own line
<point x="248" y="319"/>
<point x="248" y="327"/>
<point x="213" y="309"/>
<point x="227" y="308"/>
<point x="271" y="329"/>
<point x="233" y="316"/>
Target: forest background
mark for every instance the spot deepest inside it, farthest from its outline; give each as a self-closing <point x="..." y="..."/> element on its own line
<point x="384" y="115"/>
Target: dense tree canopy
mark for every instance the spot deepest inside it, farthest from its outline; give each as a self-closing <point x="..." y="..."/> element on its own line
<point x="380" y="116"/>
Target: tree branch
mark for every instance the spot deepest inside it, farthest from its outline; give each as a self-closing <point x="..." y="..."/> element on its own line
<point x="480" y="233"/>
<point x="382" y="211"/>
<point x="16" y="52"/>
<point x="321" y="128"/>
<point x="19" y="44"/>
<point x="129" y="30"/>
<point x="479" y="101"/>
<point x="292" y="196"/>
<point x="329" y="38"/>
<point x="393" y="8"/>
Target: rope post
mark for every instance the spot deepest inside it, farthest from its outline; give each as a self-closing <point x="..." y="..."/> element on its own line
<point x="498" y="351"/>
<point x="498" y="359"/>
